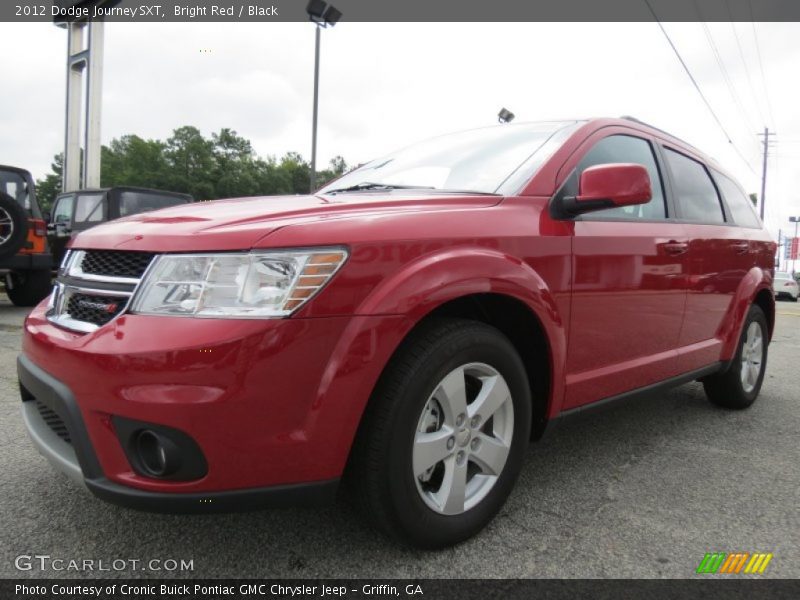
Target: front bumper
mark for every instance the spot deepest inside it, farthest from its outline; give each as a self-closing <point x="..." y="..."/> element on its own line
<point x="75" y="457"/>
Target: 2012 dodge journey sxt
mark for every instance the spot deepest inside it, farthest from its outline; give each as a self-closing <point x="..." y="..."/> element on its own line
<point x="408" y="329"/>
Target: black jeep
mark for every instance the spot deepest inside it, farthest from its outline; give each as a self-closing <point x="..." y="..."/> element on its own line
<point x="25" y="259"/>
<point x="74" y="212"/>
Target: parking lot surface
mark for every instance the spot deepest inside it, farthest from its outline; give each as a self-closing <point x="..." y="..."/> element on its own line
<point x="639" y="490"/>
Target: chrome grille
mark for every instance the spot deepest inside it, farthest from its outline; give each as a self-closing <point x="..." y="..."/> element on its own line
<point x="115" y="263"/>
<point x="98" y="310"/>
<point x="95" y="286"/>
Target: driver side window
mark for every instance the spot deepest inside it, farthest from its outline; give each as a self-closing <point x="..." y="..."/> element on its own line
<point x="627" y="149"/>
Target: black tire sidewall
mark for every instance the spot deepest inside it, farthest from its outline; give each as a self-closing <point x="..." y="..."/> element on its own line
<point x="421" y="524"/>
<point x="755" y="314"/>
<point x="20" y="220"/>
<point x="30" y="287"/>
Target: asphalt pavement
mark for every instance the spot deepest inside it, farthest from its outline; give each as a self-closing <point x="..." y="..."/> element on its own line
<point x="640" y="490"/>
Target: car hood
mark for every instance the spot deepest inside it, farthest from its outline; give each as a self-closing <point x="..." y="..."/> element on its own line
<point x="240" y="223"/>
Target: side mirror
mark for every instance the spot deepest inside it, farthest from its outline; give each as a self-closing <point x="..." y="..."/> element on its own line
<point x="46" y="216"/>
<point x="610" y="186"/>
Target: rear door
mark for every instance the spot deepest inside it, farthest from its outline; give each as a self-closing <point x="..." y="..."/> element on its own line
<point x="628" y="288"/>
<point x="719" y="256"/>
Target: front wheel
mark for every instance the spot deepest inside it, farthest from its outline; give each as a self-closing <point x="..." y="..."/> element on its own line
<point x="445" y="432"/>
<point x="738" y="387"/>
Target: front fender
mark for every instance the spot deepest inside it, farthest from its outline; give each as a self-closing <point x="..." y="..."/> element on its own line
<point x="398" y="304"/>
<point x="436" y="278"/>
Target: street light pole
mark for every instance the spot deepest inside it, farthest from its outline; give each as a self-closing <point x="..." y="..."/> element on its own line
<point x="322" y="15"/>
<point x="794" y="243"/>
<point x="314" y="118"/>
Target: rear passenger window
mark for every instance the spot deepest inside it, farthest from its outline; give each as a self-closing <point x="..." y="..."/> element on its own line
<point x="739" y="204"/>
<point x="696" y="193"/>
<point x="627" y="149"/>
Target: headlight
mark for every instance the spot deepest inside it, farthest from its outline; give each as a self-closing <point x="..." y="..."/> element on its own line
<point x="253" y="285"/>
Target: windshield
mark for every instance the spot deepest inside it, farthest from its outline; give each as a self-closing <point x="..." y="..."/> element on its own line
<point x="491" y="160"/>
<point x="131" y="203"/>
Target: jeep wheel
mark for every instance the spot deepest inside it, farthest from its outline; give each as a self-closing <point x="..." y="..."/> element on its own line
<point x="13" y="225"/>
<point x="28" y="288"/>
<point x="444" y="435"/>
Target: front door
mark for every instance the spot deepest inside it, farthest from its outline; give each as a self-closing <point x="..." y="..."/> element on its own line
<point x="628" y="288"/>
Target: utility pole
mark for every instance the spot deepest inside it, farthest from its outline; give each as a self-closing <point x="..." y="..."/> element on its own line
<point x="766" y="135"/>
<point x="313" y="175"/>
<point x="322" y="15"/>
<point x="778" y="262"/>
<point x="84" y="99"/>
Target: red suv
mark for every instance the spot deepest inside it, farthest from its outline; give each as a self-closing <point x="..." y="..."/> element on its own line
<point x="409" y="328"/>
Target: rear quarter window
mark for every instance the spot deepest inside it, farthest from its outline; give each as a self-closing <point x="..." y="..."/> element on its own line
<point x="131" y="203"/>
<point x="742" y="210"/>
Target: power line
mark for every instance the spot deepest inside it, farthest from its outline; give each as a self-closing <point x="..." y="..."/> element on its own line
<point x="699" y="91"/>
<point x="744" y="63"/>
<point x="725" y="76"/>
<point x="761" y="64"/>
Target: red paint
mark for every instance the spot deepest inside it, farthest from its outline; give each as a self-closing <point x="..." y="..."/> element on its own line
<point x="622" y="304"/>
<point x="622" y="184"/>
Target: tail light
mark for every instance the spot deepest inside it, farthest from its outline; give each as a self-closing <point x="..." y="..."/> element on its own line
<point x="37" y="237"/>
<point x="39" y="227"/>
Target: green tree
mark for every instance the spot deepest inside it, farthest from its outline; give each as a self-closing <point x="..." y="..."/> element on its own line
<point x="48" y="188"/>
<point x="236" y="170"/>
<point x="224" y="166"/>
<point x="131" y="160"/>
<point x="190" y="163"/>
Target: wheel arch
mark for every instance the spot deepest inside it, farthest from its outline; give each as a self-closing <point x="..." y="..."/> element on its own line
<point x="755" y="288"/>
<point x="477" y="283"/>
<point x="525" y="332"/>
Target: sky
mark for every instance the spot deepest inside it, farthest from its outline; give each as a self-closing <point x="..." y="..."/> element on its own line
<point x="385" y="85"/>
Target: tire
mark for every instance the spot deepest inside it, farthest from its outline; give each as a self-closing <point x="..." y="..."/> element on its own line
<point x="731" y="389"/>
<point x="409" y="405"/>
<point x="29" y="287"/>
<point x="13" y="226"/>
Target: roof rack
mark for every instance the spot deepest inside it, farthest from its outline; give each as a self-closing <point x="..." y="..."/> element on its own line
<point x="640" y="122"/>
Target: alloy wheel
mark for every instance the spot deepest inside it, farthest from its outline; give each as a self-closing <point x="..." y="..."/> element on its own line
<point x="463" y="438"/>
<point x="752" y="357"/>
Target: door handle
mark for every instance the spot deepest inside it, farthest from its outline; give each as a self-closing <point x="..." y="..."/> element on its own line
<point x="740" y="247"/>
<point x="675" y="248"/>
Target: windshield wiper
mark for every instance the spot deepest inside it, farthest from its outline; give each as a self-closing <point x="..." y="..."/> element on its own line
<point x="371" y="185"/>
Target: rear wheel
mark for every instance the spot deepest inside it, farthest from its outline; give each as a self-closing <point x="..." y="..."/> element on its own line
<point x="28" y="288"/>
<point x="738" y="387"/>
<point x="13" y="225"/>
<point x="444" y="436"/>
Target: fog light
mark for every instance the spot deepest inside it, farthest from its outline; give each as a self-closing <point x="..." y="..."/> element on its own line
<point x="157" y="454"/>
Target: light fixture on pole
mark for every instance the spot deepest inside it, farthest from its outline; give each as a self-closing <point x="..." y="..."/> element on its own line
<point x="323" y="15"/>
<point x="505" y="116"/>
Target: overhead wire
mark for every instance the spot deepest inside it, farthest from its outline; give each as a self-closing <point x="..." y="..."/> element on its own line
<point x="699" y="90"/>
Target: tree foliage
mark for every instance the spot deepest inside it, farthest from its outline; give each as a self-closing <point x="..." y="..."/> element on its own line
<point x="223" y="166"/>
